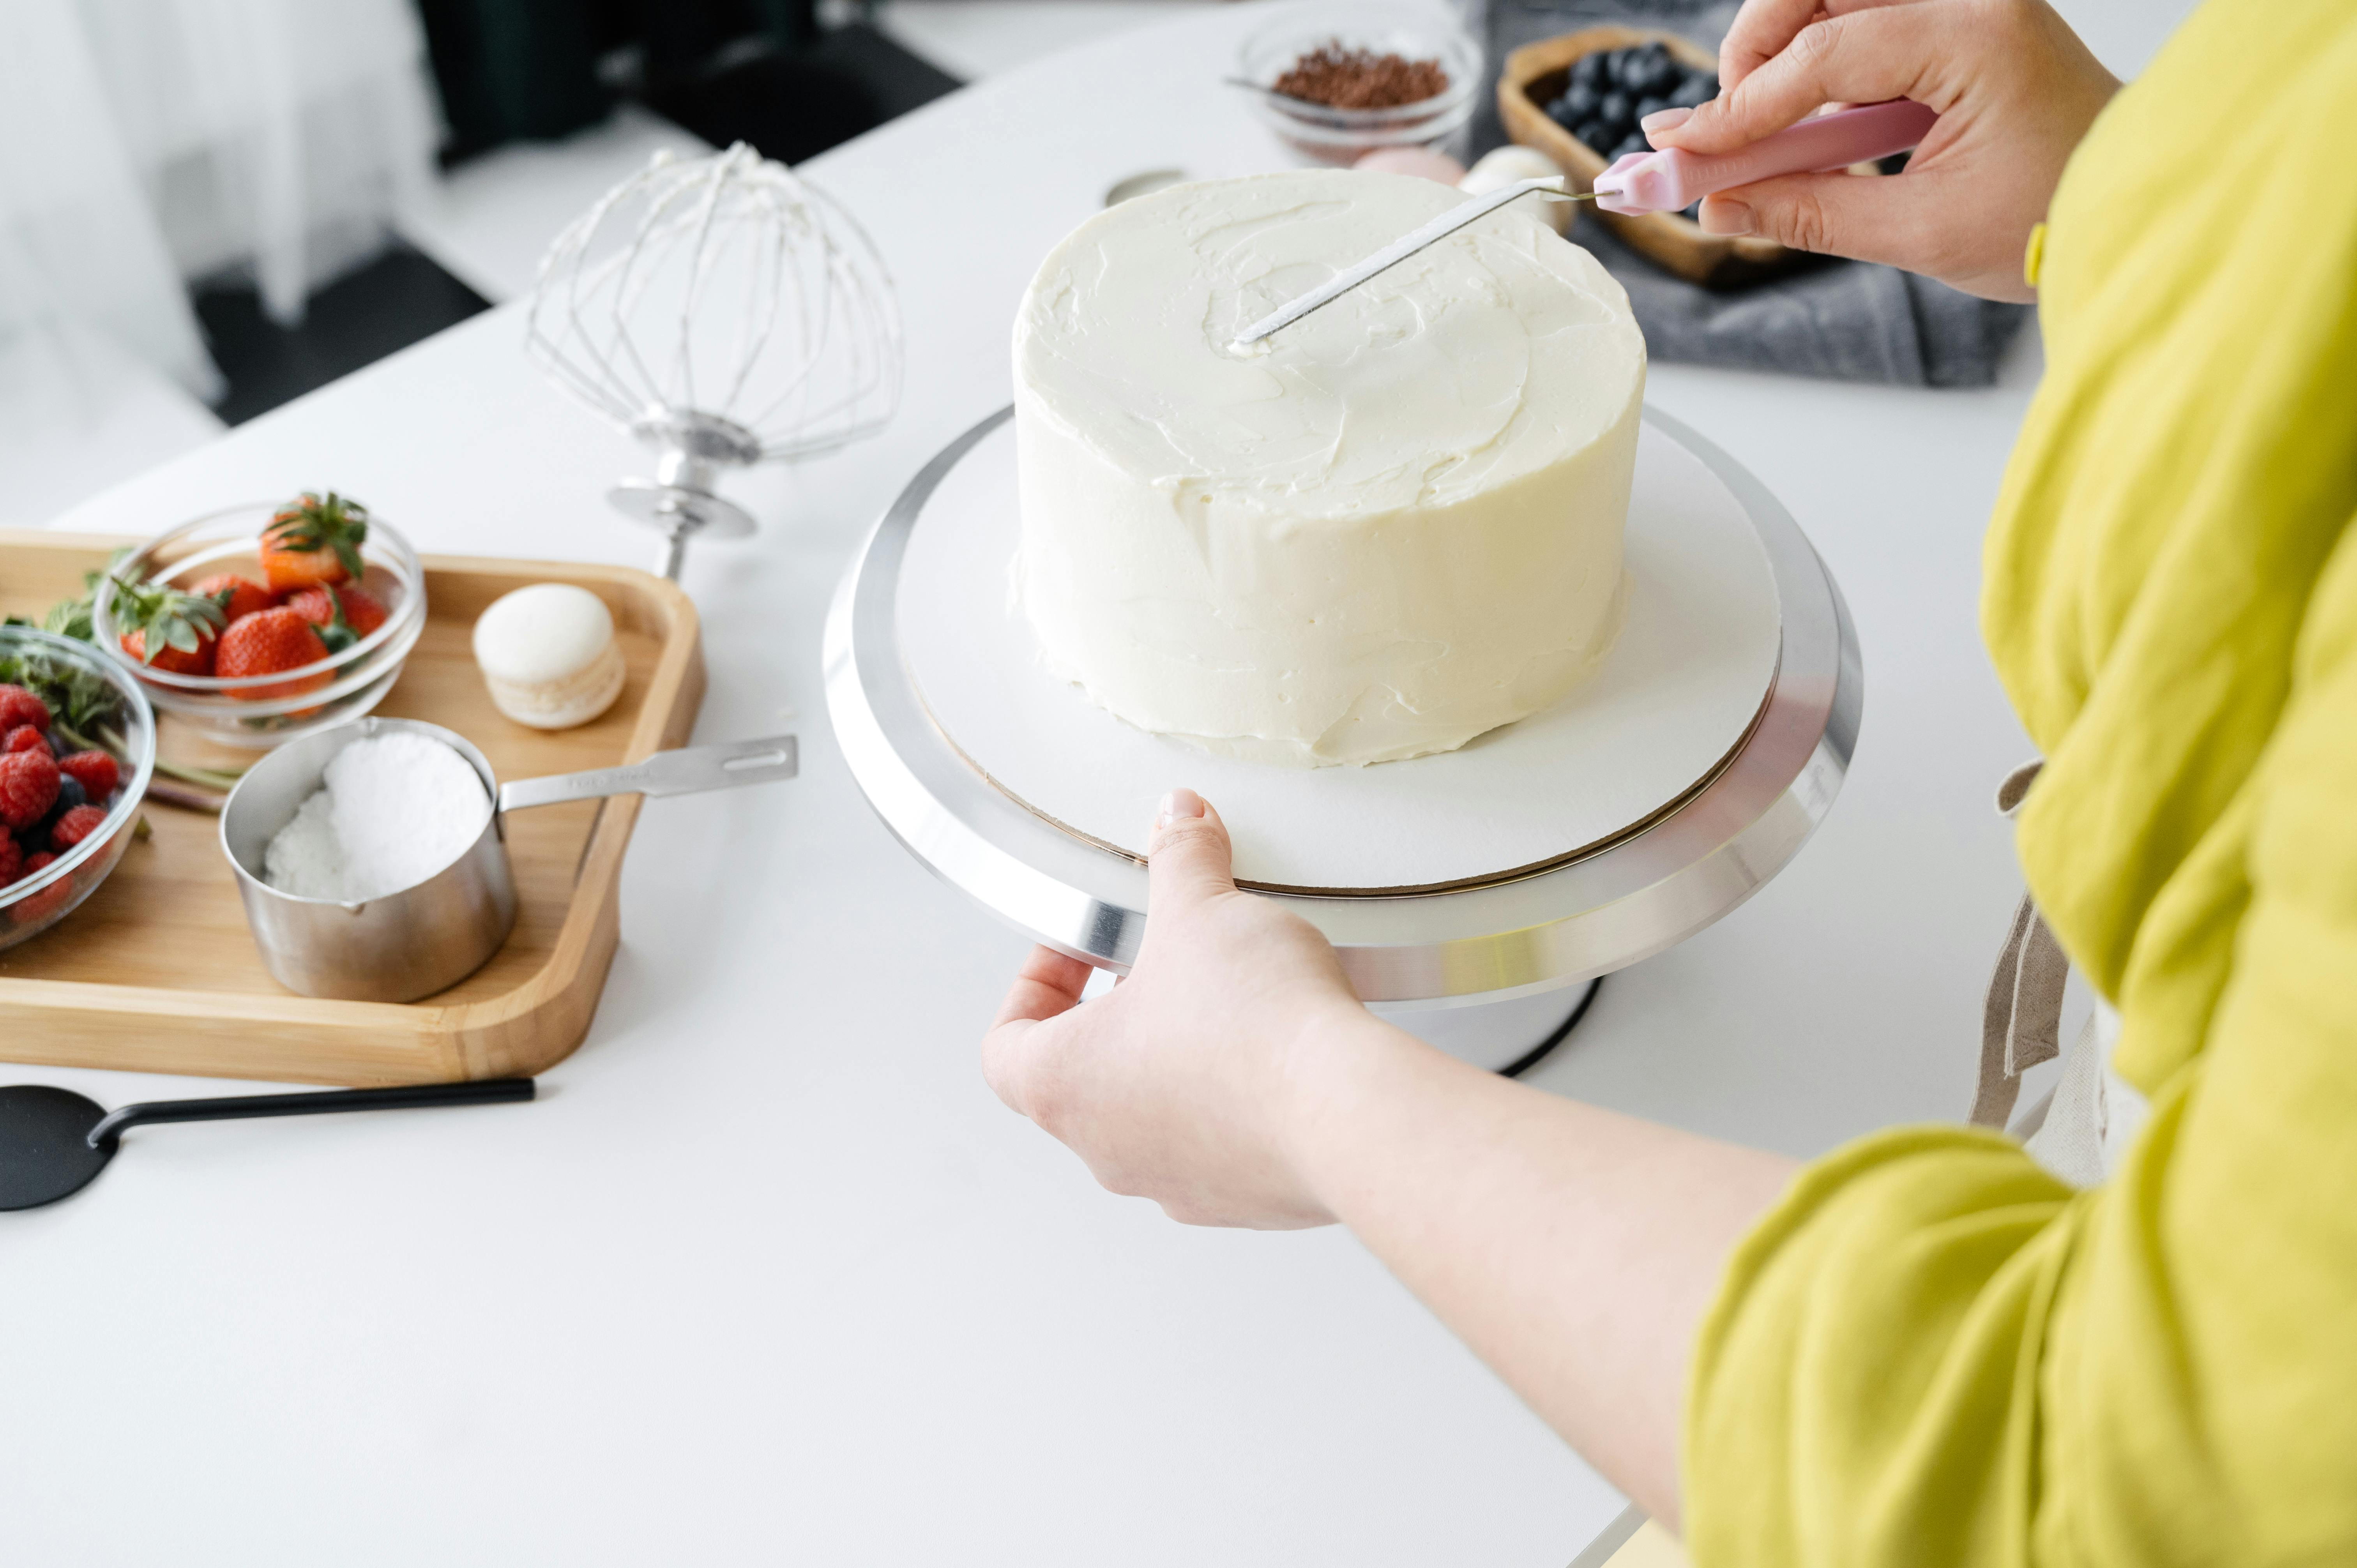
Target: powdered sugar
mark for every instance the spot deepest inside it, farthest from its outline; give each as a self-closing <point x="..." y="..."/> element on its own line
<point x="393" y="810"/>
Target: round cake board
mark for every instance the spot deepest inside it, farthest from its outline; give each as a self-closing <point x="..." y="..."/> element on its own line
<point x="1675" y="697"/>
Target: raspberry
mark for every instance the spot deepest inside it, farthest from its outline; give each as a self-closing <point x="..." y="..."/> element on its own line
<point x="37" y="908"/>
<point x="96" y="770"/>
<point x="12" y="859"/>
<point x="18" y="706"/>
<point x="24" y="737"/>
<point x="75" y="826"/>
<point x="29" y="787"/>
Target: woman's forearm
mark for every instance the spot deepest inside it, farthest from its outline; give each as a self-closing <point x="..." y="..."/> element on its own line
<point x="1235" y="1080"/>
<point x="1574" y="1248"/>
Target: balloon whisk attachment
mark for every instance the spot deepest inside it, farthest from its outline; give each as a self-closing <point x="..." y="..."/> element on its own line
<point x="726" y="313"/>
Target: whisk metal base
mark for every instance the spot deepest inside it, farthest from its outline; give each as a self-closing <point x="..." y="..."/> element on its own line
<point x="680" y="514"/>
<point x="680" y="500"/>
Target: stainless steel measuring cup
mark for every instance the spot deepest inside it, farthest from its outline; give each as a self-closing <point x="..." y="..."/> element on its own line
<point x="428" y="937"/>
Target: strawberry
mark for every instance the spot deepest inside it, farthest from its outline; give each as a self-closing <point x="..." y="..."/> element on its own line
<point x="166" y="628"/>
<point x="96" y="769"/>
<point x="266" y="643"/>
<point x="18" y="706"/>
<point x="172" y="662"/>
<point x="24" y="737"/>
<point x="313" y="540"/>
<point x="343" y="615"/>
<point x="237" y="596"/>
<point x="75" y="826"/>
<point x="29" y="787"/>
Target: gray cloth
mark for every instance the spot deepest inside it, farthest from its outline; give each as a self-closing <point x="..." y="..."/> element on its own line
<point x="1847" y="320"/>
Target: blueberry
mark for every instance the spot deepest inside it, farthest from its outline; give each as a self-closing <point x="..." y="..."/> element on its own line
<point x="1590" y="71"/>
<point x="1597" y="134"/>
<point x="1649" y="70"/>
<point x="1615" y="65"/>
<point x="1634" y="143"/>
<point x="1576" y="105"/>
<point x="1650" y="106"/>
<point x="1614" y="110"/>
<point x="70" y="795"/>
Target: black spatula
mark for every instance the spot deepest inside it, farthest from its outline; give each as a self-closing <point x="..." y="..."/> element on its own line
<point x="53" y="1141"/>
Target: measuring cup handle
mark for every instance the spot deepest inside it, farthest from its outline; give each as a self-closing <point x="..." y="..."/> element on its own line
<point x="681" y="772"/>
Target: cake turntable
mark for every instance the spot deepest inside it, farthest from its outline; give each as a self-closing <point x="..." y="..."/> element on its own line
<point x="1646" y="805"/>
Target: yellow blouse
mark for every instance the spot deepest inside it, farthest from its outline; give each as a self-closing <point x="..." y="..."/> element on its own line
<point x="1932" y="1352"/>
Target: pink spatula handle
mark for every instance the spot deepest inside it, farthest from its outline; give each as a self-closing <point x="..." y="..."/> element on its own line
<point x="1668" y="180"/>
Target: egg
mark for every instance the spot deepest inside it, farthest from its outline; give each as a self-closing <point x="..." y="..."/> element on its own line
<point x="1421" y="162"/>
<point x="1506" y="166"/>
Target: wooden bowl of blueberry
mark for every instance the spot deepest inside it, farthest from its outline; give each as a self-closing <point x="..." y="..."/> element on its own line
<point x="1578" y="98"/>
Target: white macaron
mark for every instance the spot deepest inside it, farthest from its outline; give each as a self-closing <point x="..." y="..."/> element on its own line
<point x="548" y="655"/>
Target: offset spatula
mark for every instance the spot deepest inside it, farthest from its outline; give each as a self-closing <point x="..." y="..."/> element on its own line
<point x="1661" y="181"/>
<point x="53" y="1141"/>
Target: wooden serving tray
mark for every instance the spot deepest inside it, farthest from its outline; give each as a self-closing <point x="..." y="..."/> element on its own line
<point x="1533" y="76"/>
<point x="157" y="972"/>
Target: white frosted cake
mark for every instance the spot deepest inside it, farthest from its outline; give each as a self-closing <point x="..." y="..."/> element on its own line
<point x="1389" y="527"/>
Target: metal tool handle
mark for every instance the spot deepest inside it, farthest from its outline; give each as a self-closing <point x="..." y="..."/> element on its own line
<point x="681" y="772"/>
<point x="231" y="1108"/>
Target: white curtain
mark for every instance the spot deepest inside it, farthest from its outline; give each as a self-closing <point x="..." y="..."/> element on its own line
<point x="147" y="143"/>
<point x="274" y="136"/>
<point x="80" y="250"/>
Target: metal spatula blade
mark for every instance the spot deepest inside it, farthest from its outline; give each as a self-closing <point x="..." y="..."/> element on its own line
<point x="1399" y="250"/>
<point x="1641" y="183"/>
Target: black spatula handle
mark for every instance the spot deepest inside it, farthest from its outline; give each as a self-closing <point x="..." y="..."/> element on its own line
<point x="481" y="1091"/>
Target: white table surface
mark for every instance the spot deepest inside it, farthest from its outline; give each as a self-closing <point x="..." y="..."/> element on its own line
<point x="767" y="1275"/>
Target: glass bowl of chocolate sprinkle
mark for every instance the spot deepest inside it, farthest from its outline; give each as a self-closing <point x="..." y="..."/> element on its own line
<point x="1339" y="80"/>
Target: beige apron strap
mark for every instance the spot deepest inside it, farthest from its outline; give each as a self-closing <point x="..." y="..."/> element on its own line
<point x="2021" y="1016"/>
<point x="2013" y="787"/>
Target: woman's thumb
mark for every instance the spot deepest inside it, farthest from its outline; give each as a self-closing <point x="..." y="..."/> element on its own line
<point x="1188" y="859"/>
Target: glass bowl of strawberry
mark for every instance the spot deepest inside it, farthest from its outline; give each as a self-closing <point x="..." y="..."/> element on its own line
<point x="260" y="623"/>
<point x="76" y="748"/>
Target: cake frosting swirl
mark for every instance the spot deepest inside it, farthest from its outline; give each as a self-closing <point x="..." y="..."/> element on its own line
<point x="1379" y="533"/>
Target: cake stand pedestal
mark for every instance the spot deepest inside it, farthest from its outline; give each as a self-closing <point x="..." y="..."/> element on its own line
<point x="1494" y="947"/>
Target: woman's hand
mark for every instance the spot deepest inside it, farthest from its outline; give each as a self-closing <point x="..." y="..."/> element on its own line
<point x="2013" y="86"/>
<point x="1190" y="1082"/>
<point x="1235" y="1079"/>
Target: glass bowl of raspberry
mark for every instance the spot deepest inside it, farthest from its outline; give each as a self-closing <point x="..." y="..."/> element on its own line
<point x="1339" y="80"/>
<point x="77" y="749"/>
<point x="260" y="623"/>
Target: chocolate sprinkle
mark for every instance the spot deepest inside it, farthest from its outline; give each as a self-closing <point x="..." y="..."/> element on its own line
<point x="1344" y="78"/>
